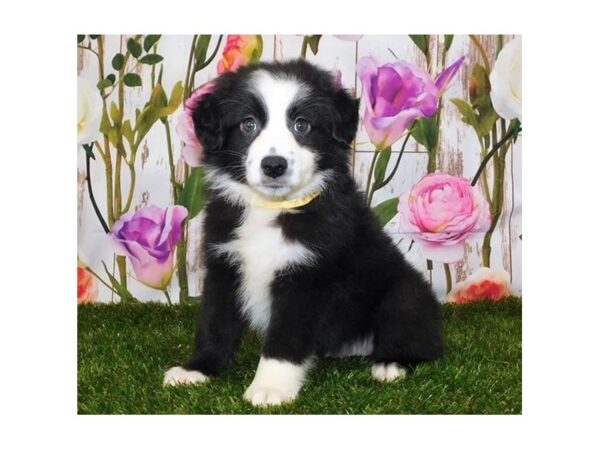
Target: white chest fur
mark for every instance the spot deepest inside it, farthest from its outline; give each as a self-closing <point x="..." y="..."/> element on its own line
<point x="261" y="251"/>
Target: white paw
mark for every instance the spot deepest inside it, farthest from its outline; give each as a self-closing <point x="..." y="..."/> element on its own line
<point x="265" y="396"/>
<point x="388" y="372"/>
<point x="179" y="375"/>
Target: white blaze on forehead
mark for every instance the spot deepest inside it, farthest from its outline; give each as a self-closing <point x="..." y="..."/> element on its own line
<point x="275" y="138"/>
<point x="277" y="95"/>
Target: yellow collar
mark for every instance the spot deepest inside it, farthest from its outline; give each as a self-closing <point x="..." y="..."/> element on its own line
<point x="284" y="204"/>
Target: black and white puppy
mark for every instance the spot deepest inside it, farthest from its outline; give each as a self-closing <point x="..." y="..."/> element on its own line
<point x="291" y="249"/>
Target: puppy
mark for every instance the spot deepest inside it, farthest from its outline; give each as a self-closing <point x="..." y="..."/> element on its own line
<point x="291" y="249"/>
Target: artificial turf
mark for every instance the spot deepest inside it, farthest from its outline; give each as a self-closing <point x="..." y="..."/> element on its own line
<point x="124" y="349"/>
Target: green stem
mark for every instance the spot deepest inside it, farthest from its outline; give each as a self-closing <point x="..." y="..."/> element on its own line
<point x="497" y="197"/>
<point x="378" y="186"/>
<point x="486" y="61"/>
<point x="368" y="194"/>
<point x="516" y="128"/>
<point x="168" y="297"/>
<point x="153" y="71"/>
<point x="122" y="266"/>
<point x="187" y="89"/>
<point x="182" y="266"/>
<point x="89" y="269"/>
<point x="210" y="59"/>
<point x="448" y="278"/>
<point x="304" y="47"/>
<point x="108" y="168"/>
<point x="132" y="180"/>
<point x="88" y="157"/>
<point x="171" y="162"/>
<point x="484" y="177"/>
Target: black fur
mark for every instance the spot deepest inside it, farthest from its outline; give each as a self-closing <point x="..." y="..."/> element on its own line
<point x="360" y="285"/>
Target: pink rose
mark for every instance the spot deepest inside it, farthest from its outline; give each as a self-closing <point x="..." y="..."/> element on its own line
<point x="192" y="149"/>
<point x="484" y="284"/>
<point x="441" y="212"/>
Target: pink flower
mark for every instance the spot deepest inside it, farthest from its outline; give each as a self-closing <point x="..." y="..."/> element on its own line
<point x="441" y="212"/>
<point x="396" y="94"/>
<point x="192" y="148"/>
<point x="484" y="284"/>
<point x="148" y="237"/>
<point x="87" y="288"/>
<point x="240" y="49"/>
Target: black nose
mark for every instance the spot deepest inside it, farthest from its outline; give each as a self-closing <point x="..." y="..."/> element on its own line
<point x="273" y="166"/>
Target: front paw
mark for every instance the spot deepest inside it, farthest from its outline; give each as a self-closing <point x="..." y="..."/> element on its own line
<point x="179" y="375"/>
<point x="388" y="372"/>
<point x="267" y="396"/>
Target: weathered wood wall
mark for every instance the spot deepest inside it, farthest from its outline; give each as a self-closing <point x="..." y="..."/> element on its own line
<point x="459" y="150"/>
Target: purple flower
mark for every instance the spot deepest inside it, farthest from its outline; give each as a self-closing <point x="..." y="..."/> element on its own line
<point x="148" y="238"/>
<point x="396" y="94"/>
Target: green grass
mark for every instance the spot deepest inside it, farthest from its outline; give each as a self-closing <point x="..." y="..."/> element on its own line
<point x="123" y="351"/>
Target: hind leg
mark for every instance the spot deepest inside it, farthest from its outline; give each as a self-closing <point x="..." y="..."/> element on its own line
<point x="407" y="329"/>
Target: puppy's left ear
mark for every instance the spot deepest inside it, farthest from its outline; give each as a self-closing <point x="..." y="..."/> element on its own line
<point x="346" y="117"/>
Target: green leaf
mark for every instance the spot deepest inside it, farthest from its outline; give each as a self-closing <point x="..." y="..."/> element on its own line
<point x="111" y="77"/>
<point x="128" y="132"/>
<point x="115" y="113"/>
<point x="89" y="150"/>
<point x="201" y="49"/>
<point x="467" y="112"/>
<point x="102" y="84"/>
<point x="159" y="98"/>
<point x="194" y="193"/>
<point x="386" y="210"/>
<point x="176" y="95"/>
<point x="80" y="38"/>
<point x="421" y="41"/>
<point x="448" y="38"/>
<point x="105" y="125"/>
<point x="132" y="80"/>
<point x="381" y="164"/>
<point x="151" y="112"/>
<point x="134" y="48"/>
<point x="121" y="290"/>
<point x="313" y="42"/>
<point x="486" y="121"/>
<point x="95" y="36"/>
<point x="118" y="61"/>
<point x="425" y="132"/>
<point x="479" y="86"/>
<point x="173" y="102"/>
<point x="150" y="40"/>
<point x="151" y="59"/>
<point x="257" y="53"/>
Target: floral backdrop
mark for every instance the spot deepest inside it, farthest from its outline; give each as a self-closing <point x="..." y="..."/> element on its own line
<point x="438" y="154"/>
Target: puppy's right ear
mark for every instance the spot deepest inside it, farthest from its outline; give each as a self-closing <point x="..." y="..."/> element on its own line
<point x="207" y="123"/>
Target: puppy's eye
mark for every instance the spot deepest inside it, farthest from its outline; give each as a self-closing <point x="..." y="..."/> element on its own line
<point x="301" y="126"/>
<point x="248" y="125"/>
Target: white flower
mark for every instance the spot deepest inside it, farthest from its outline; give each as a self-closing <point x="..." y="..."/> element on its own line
<point x="89" y="112"/>
<point x="505" y="80"/>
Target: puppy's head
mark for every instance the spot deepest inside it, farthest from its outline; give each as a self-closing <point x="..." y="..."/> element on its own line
<point x="277" y="130"/>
